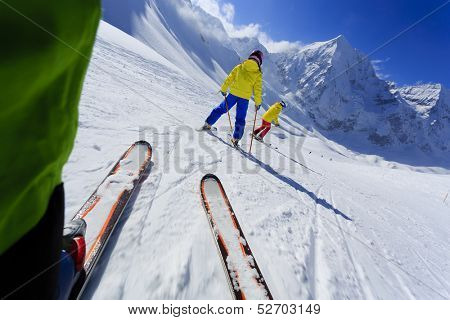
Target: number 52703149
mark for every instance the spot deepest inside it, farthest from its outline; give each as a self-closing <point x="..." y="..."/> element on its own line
<point x="284" y="308"/>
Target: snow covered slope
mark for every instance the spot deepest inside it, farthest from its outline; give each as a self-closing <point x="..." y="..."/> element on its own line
<point x="352" y="226"/>
<point x="179" y="31"/>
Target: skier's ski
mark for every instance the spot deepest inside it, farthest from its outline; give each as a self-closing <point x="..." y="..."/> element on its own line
<point x="263" y="142"/>
<point x="243" y="274"/>
<point x="105" y="206"/>
<point x="238" y="146"/>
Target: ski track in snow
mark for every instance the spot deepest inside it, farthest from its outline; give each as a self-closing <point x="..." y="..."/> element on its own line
<point x="359" y="230"/>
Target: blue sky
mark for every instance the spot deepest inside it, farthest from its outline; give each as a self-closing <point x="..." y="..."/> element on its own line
<point x="420" y="55"/>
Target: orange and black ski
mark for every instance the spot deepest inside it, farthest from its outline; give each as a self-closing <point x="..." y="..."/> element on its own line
<point x="105" y="206"/>
<point x="243" y="274"/>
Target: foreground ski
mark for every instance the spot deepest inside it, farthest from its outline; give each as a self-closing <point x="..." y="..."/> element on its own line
<point x="243" y="274"/>
<point x="105" y="206"/>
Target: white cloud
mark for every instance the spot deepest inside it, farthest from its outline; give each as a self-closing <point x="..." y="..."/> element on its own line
<point x="228" y="10"/>
<point x="251" y="30"/>
<point x="278" y="46"/>
<point x="205" y="26"/>
<point x="225" y="11"/>
<point x="378" y="67"/>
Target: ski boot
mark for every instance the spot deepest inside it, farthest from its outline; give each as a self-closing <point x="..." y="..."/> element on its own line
<point x="256" y="137"/>
<point x="235" y="142"/>
<point x="206" y="127"/>
<point x="72" y="256"/>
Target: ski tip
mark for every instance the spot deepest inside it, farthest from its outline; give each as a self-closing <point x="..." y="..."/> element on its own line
<point x="210" y="176"/>
<point x="143" y="142"/>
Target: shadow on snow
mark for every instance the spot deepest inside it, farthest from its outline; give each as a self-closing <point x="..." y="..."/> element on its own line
<point x="324" y="203"/>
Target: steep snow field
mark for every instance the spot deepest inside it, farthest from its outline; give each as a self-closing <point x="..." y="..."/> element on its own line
<point x="352" y="226"/>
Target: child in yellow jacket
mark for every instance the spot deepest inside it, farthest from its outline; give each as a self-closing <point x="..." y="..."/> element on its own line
<point x="270" y="116"/>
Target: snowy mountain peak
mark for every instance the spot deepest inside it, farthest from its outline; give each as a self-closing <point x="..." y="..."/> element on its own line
<point x="340" y="37"/>
<point x="343" y="47"/>
<point x="332" y="57"/>
<point x="342" y="42"/>
<point x="431" y="102"/>
<point x="337" y="87"/>
<point x="335" y="76"/>
<point x="338" y="46"/>
<point x="422" y="97"/>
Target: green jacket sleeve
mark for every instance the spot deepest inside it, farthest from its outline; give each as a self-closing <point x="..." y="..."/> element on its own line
<point x="45" y="53"/>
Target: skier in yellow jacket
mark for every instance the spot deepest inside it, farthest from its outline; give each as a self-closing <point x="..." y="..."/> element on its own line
<point x="270" y="116"/>
<point x="243" y="81"/>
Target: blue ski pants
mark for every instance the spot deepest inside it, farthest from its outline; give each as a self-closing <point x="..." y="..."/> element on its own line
<point x="241" y="113"/>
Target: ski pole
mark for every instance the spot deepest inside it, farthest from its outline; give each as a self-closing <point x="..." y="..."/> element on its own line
<point x="253" y="130"/>
<point x="229" y="118"/>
